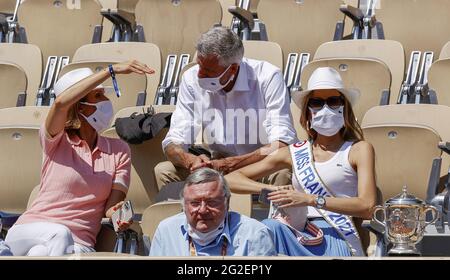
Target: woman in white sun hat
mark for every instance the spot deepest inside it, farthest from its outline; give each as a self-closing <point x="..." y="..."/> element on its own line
<point x="333" y="175"/>
<point x="84" y="176"/>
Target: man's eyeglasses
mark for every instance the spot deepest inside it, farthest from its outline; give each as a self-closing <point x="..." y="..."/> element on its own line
<point x="333" y="102"/>
<point x="209" y="203"/>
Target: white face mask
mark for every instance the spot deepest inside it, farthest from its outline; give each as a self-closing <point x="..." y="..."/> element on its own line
<point x="101" y="118"/>
<point x="327" y="121"/>
<point x="213" y="84"/>
<point x="204" y="238"/>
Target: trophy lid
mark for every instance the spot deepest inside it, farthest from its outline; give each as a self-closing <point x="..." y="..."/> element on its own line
<point x="404" y="198"/>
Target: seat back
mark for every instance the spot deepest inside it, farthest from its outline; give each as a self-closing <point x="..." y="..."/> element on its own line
<point x="389" y="52"/>
<point x="405" y="138"/>
<point x="438" y="80"/>
<point x="29" y="58"/>
<point x="425" y="32"/>
<point x="131" y="85"/>
<point x="445" y="51"/>
<point x="227" y="16"/>
<point x="263" y="50"/>
<point x="123" y="51"/>
<point x="370" y="76"/>
<point x="21" y="155"/>
<point x="7" y="6"/>
<point x="144" y="158"/>
<point x="14" y="82"/>
<point x="175" y="26"/>
<point x="154" y="214"/>
<point x="241" y="203"/>
<point x="59" y="27"/>
<point x="300" y="26"/>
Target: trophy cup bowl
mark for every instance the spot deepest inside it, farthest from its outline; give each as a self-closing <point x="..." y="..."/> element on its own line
<point x="405" y="222"/>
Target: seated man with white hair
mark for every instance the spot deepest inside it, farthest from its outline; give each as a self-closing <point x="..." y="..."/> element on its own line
<point x="238" y="107"/>
<point x="206" y="227"/>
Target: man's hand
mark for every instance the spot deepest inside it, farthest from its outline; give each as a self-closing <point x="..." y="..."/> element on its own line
<point x="224" y="165"/>
<point x="197" y="162"/>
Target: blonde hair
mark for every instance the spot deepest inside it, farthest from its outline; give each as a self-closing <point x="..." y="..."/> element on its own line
<point x="73" y="120"/>
<point x="350" y="132"/>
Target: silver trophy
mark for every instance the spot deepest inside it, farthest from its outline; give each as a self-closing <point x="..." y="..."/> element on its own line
<point x="405" y="222"/>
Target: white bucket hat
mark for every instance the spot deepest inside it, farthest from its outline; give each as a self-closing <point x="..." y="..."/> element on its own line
<point x="71" y="78"/>
<point x="326" y="78"/>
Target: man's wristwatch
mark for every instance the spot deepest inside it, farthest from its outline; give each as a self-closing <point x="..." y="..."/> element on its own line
<point x="320" y="202"/>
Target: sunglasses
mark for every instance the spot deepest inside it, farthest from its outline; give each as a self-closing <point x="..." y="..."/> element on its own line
<point x="333" y="102"/>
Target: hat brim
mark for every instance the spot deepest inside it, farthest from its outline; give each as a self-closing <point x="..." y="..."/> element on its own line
<point x="352" y="95"/>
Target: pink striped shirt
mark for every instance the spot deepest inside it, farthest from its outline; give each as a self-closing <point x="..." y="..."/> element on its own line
<point x="76" y="183"/>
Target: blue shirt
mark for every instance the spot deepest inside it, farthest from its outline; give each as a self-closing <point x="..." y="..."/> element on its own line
<point x="245" y="236"/>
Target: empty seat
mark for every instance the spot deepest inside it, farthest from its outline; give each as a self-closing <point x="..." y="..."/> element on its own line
<point x="144" y="52"/>
<point x="21" y="155"/>
<point x="418" y="25"/>
<point x="405" y="138"/>
<point x="14" y="84"/>
<point x="144" y="157"/>
<point x="389" y="52"/>
<point x="300" y="26"/>
<point x="175" y="26"/>
<point x="227" y="16"/>
<point x="438" y="80"/>
<point x="59" y="27"/>
<point x="7" y="6"/>
<point x="132" y="86"/>
<point x="263" y="50"/>
<point x="29" y="58"/>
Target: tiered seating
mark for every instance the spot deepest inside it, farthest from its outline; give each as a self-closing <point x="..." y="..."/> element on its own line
<point x="176" y="25"/>
<point x="417" y="25"/>
<point x="21" y="155"/>
<point x="296" y="26"/>
<point x="59" y="29"/>
<point x="405" y="138"/>
<point x="14" y="80"/>
<point x="28" y="58"/>
<point x="438" y="74"/>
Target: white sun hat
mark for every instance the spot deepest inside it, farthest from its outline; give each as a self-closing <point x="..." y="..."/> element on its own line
<point x="71" y="78"/>
<point x="326" y="78"/>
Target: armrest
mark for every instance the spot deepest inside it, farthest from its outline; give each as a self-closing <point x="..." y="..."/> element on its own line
<point x="118" y="16"/>
<point x="445" y="147"/>
<point x="373" y="227"/>
<point x="8" y="219"/>
<point x="243" y="15"/>
<point x="352" y="12"/>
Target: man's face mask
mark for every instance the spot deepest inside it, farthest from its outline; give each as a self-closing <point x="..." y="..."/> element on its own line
<point x="101" y="118"/>
<point x="213" y="84"/>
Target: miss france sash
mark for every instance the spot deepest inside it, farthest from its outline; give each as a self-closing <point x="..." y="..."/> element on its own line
<point x="307" y="176"/>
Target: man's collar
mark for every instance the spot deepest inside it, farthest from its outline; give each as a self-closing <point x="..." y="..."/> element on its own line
<point x="225" y="233"/>
<point x="241" y="83"/>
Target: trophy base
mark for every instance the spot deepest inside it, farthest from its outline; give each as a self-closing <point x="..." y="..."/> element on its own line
<point x="404" y="250"/>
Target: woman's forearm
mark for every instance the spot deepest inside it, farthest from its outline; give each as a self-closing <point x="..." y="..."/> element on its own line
<point x="352" y="206"/>
<point x="75" y="93"/>
<point x="241" y="184"/>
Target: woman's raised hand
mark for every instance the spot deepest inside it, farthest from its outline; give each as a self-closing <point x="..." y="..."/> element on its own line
<point x="132" y="66"/>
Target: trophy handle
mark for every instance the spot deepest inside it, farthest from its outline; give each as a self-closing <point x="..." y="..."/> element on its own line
<point x="435" y="214"/>
<point x="379" y="208"/>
